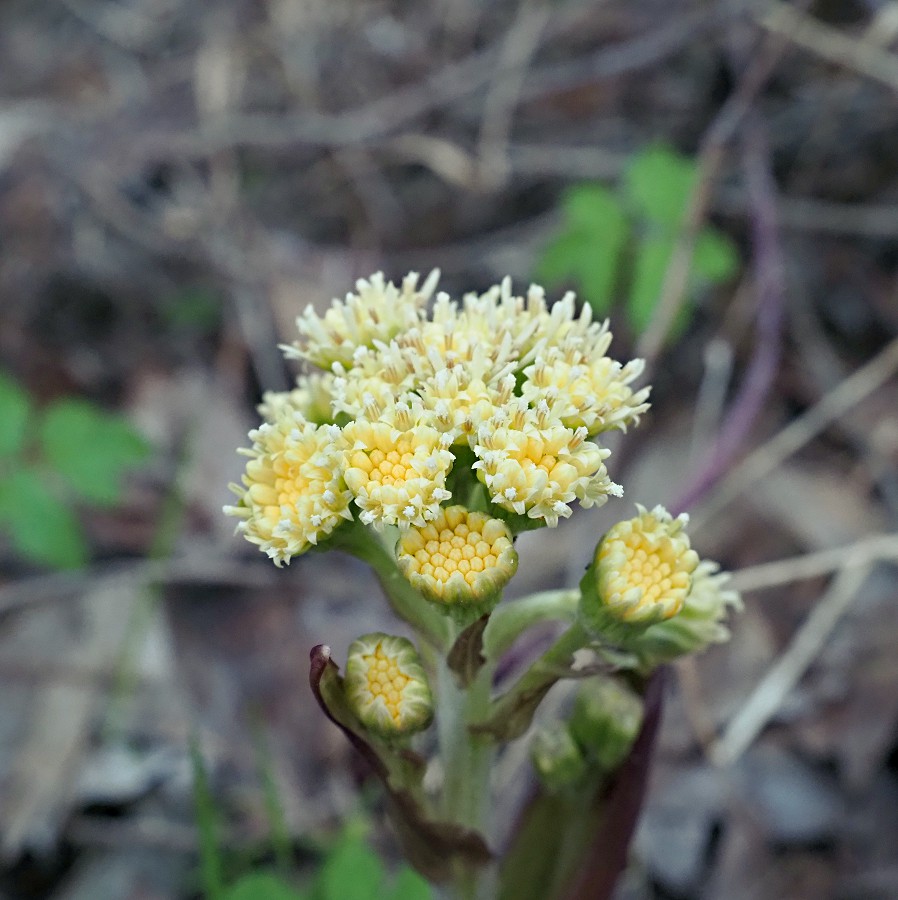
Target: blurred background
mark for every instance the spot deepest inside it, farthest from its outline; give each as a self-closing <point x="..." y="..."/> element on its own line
<point x="178" y="180"/>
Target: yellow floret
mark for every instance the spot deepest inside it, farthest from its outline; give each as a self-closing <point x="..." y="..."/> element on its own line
<point x="586" y="389"/>
<point x="293" y="494"/>
<point x="379" y="311"/>
<point x="396" y="468"/>
<point x="644" y="566"/>
<point x="461" y="557"/>
<point x="534" y="465"/>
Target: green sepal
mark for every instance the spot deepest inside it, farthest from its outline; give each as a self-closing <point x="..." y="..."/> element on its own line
<point x="602" y="622"/>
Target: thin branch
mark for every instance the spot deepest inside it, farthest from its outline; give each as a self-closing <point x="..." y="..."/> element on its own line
<point x="794" y="436"/>
<point x="519" y="46"/>
<point x="709" y="162"/>
<point x="861" y="55"/>
<point x="771" y="288"/>
<point x="879" y="547"/>
<point x="768" y="696"/>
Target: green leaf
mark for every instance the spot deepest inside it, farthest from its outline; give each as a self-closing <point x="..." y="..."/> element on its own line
<point x="15" y="410"/>
<point x="352" y="871"/>
<point x="588" y="249"/>
<point x="409" y="885"/>
<point x="658" y="183"/>
<point x="262" y="886"/>
<point x="90" y="448"/>
<point x="42" y="528"/>
<point x="649" y="267"/>
<point x="588" y="207"/>
<point x="715" y="256"/>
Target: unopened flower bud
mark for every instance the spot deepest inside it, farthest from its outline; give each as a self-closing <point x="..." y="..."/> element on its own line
<point x="461" y="560"/>
<point x="386" y="685"/>
<point x="557" y="759"/>
<point x="641" y="574"/>
<point x="605" y="721"/>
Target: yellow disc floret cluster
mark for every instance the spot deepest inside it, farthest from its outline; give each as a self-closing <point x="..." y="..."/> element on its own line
<point x="495" y="401"/>
<point x="386" y="685"/>
<point x="461" y="557"/>
<point x="644" y="566"/>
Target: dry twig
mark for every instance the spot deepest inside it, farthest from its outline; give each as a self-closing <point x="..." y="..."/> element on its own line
<point x="786" y="672"/>
<point x="794" y="436"/>
<point x="878" y="547"/>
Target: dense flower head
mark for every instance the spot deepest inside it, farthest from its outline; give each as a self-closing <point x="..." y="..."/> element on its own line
<point x="461" y="557"/>
<point x="377" y="312"/>
<point x="534" y="465"/>
<point x="386" y="685"/>
<point x="644" y="566"/>
<point x="510" y="390"/>
<point x="396" y="466"/>
<point x="585" y="390"/>
<point x="700" y="623"/>
<point x="293" y="493"/>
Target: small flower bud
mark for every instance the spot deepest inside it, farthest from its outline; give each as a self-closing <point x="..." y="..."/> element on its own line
<point x="605" y="721"/>
<point x="557" y="759"/>
<point x="386" y="686"/>
<point x="641" y="574"/>
<point x="461" y="560"/>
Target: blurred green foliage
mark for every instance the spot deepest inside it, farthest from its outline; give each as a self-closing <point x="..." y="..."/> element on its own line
<point x="618" y="241"/>
<point x="53" y="458"/>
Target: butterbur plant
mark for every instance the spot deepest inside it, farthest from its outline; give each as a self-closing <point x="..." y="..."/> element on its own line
<point x="426" y="434"/>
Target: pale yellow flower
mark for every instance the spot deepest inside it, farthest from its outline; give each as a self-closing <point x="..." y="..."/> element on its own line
<point x="396" y="467"/>
<point x="460" y="558"/>
<point x="293" y="494"/>
<point x="386" y="686"/>
<point x="377" y="312"/>
<point x="532" y="464"/>
<point x="461" y="400"/>
<point x="643" y="567"/>
<point x="458" y="337"/>
<point x="385" y="372"/>
<point x="586" y="389"/>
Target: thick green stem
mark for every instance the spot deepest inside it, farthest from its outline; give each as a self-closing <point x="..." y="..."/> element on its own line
<point x="511" y="714"/>
<point x="467" y="760"/>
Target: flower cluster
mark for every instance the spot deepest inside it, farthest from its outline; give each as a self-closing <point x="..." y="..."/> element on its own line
<point x="418" y="400"/>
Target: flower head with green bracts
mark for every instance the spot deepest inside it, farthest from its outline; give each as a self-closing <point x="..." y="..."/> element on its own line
<point x="648" y="590"/>
<point x="386" y="686"/>
<point x="460" y="560"/>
